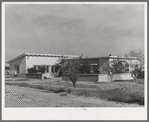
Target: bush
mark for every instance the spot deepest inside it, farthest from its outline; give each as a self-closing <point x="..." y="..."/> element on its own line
<point x="96" y="71"/>
<point x="85" y="69"/>
<point x="33" y="70"/>
<point x="59" y="90"/>
<point x="120" y="95"/>
<point x="86" y="94"/>
<point x="117" y="95"/>
<point x="138" y="73"/>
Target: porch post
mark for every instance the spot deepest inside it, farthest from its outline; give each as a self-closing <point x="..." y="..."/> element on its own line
<point x="50" y="69"/>
<point x="91" y="68"/>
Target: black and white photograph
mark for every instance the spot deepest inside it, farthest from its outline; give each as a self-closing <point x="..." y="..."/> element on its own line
<point x="83" y="59"/>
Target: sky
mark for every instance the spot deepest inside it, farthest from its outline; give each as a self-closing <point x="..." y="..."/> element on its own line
<point x="93" y="30"/>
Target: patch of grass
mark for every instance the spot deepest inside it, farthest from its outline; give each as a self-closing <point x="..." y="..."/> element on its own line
<point x="17" y="79"/>
<point x="117" y="95"/>
<point x="86" y="94"/>
<point x="86" y="86"/>
<point x="22" y="79"/>
<point x="126" y="92"/>
<point x="58" y="90"/>
<point x="18" y="84"/>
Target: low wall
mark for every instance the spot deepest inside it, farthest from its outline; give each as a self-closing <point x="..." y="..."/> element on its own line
<point x="21" y="76"/>
<point x="122" y="76"/>
<point x="33" y="76"/>
<point x="83" y="77"/>
<point x="104" y="78"/>
<point x="115" y="77"/>
<point x="100" y="77"/>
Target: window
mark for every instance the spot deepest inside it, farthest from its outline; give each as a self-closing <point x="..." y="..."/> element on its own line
<point x="16" y="68"/>
<point x="47" y="68"/>
<point x="136" y="66"/>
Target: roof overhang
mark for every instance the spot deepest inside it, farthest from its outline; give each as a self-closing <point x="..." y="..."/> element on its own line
<point x="42" y="55"/>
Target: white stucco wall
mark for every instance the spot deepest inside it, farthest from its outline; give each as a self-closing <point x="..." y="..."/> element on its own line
<point x="25" y="61"/>
<point x="118" y="76"/>
<point x="22" y="64"/>
<point x="34" y="60"/>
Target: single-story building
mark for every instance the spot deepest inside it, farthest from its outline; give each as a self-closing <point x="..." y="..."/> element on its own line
<point x="97" y="68"/>
<point x="19" y="65"/>
<point x="100" y="63"/>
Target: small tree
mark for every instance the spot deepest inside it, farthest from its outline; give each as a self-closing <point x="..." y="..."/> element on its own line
<point x="132" y="53"/>
<point x="73" y="69"/>
<point x="126" y="67"/>
<point x="114" y="67"/>
<point x="117" y="66"/>
<point x="74" y="77"/>
<point x="137" y="72"/>
<point x="108" y="69"/>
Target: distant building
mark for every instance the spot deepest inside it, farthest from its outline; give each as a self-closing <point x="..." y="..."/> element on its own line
<point x="19" y="65"/>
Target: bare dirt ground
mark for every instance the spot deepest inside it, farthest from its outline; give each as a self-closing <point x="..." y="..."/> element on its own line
<point x="16" y="96"/>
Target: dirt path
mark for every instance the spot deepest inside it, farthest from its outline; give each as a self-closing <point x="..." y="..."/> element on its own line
<point x="16" y="96"/>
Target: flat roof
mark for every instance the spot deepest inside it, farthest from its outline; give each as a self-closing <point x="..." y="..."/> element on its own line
<point x="109" y="57"/>
<point x="41" y="55"/>
<point x="69" y="56"/>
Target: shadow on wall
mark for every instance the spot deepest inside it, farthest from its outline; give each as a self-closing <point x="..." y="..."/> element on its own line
<point x="103" y="65"/>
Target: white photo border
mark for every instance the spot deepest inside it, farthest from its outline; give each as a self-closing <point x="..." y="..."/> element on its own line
<point x="39" y="113"/>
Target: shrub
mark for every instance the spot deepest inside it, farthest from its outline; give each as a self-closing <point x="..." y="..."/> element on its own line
<point x="138" y="73"/>
<point x="96" y="71"/>
<point x="31" y="70"/>
<point x="85" y="67"/>
<point x="41" y="69"/>
<point x="59" y="90"/>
